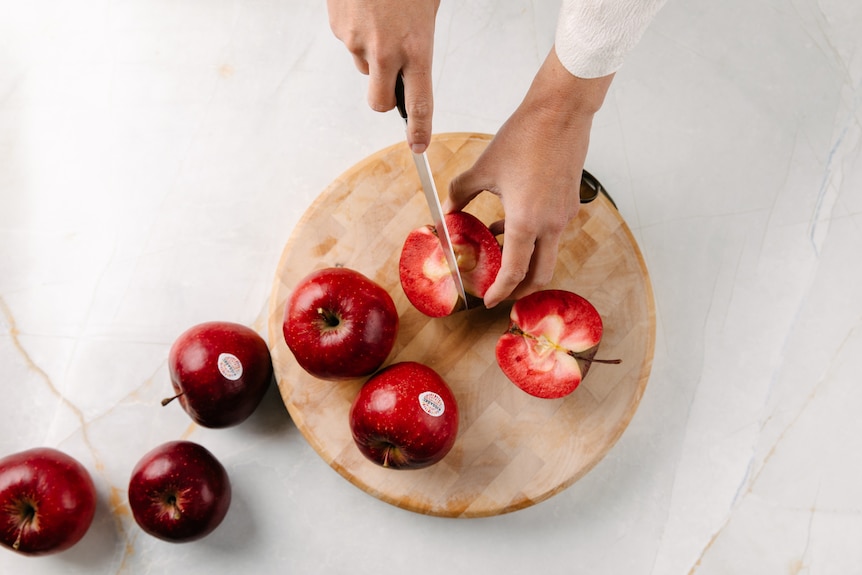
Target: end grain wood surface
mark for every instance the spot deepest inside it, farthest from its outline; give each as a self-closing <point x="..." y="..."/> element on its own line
<point x="513" y="450"/>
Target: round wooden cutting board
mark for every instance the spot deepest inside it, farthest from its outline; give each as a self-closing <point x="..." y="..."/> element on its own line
<point x="513" y="450"/>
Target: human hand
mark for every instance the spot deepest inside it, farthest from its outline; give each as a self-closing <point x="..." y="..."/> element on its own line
<point x="534" y="164"/>
<point x="386" y="37"/>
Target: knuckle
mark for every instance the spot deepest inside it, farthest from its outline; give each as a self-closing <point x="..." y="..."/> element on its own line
<point x="513" y="275"/>
<point x="420" y="108"/>
<point x="542" y="278"/>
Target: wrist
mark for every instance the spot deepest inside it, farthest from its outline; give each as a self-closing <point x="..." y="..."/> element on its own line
<point x="565" y="97"/>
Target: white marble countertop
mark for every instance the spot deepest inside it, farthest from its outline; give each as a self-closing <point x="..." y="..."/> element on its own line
<point x="156" y="155"/>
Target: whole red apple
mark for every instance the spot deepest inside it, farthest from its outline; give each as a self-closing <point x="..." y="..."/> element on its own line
<point x="179" y="492"/>
<point x="47" y="501"/>
<point x="425" y="275"/>
<point x="405" y="417"/>
<point x="339" y="324"/>
<point x="220" y="372"/>
<point x="551" y="342"/>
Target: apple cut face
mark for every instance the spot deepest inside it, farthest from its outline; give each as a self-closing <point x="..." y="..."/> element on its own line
<point x="551" y="342"/>
<point x="424" y="272"/>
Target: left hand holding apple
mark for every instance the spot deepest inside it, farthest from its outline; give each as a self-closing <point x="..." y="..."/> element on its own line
<point x="534" y="164"/>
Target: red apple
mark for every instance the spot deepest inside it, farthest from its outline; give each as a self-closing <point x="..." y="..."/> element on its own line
<point x="404" y="417"/>
<point x="47" y="501"/>
<point x="179" y="492"/>
<point x="220" y="372"/>
<point x="339" y="324"/>
<point x="551" y="342"/>
<point x="425" y="275"/>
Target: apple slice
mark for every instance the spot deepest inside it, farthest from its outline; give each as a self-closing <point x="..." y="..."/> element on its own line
<point x="551" y="342"/>
<point x="425" y="275"/>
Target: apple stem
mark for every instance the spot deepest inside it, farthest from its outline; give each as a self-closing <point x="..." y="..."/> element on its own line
<point x="174" y="506"/>
<point x="608" y="361"/>
<point x="386" y="456"/>
<point x="329" y="318"/>
<point x="515" y="330"/>
<point x="167" y="400"/>
<point x="28" y="512"/>
<point x="592" y="359"/>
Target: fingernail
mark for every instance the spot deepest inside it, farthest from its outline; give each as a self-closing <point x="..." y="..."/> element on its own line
<point x="418" y="148"/>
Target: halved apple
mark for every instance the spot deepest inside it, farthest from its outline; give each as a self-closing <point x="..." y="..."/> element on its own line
<point x="425" y="275"/>
<point x="551" y="342"/>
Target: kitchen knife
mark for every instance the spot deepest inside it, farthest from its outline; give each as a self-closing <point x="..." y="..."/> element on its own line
<point x="430" y="189"/>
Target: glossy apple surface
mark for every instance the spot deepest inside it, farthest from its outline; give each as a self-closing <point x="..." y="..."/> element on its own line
<point x="339" y="324"/>
<point x="405" y="417"/>
<point x="179" y="492"/>
<point x="551" y="342"/>
<point x="424" y="273"/>
<point x="220" y="372"/>
<point x="47" y="501"/>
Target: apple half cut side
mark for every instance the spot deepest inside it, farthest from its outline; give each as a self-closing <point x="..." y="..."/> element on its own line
<point x="551" y="342"/>
<point x="424" y="273"/>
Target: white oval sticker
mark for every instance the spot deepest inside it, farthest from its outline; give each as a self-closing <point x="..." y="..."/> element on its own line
<point x="431" y="403"/>
<point x="230" y="366"/>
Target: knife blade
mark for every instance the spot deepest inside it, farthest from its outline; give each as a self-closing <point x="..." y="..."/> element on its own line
<point x="433" y="200"/>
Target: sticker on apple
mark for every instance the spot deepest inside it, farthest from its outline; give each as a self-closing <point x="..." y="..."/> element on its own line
<point x="230" y="366"/>
<point x="432" y="403"/>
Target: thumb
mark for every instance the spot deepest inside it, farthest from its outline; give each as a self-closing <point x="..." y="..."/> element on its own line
<point x="462" y="189"/>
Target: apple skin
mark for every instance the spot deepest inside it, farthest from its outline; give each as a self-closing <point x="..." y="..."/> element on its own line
<point x="47" y="501"/>
<point x="220" y="372"/>
<point x="339" y="324"/>
<point x="179" y="492"/>
<point x="391" y="426"/>
<point x="551" y="342"/>
<point x="424" y="273"/>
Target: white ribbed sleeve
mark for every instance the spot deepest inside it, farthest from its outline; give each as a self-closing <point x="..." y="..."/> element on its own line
<point x="594" y="36"/>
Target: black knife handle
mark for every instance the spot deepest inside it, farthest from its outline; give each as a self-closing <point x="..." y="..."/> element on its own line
<point x="399" y="96"/>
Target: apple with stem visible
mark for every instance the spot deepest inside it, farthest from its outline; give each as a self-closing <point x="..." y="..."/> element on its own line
<point x="404" y="417"/>
<point x="220" y="372"/>
<point x="425" y="275"/>
<point x="47" y="501"/>
<point x="179" y="492"/>
<point x="339" y="324"/>
<point x="551" y="342"/>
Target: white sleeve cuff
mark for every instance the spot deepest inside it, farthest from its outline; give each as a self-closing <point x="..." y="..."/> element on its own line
<point x="594" y="36"/>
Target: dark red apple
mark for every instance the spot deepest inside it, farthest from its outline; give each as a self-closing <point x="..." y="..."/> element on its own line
<point x="425" y="275"/>
<point x="179" y="492"/>
<point x="551" y="342"/>
<point x="220" y="372"/>
<point x="47" y="501"/>
<point x="339" y="324"/>
<point x="404" y="417"/>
